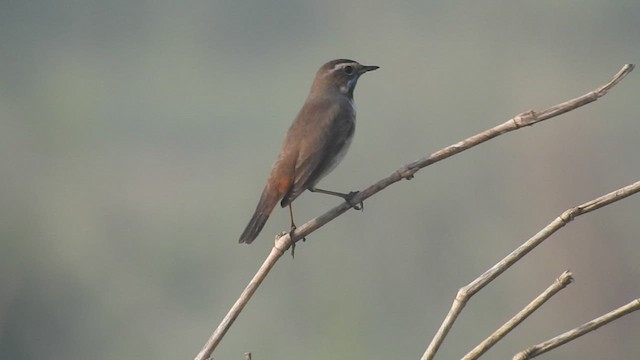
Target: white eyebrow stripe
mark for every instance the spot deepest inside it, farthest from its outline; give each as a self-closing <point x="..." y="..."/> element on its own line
<point x="341" y="66"/>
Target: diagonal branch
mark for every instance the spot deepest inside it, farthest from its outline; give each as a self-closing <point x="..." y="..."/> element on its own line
<point x="406" y="172"/>
<point x="573" y="334"/>
<point x="465" y="293"/>
<point x="284" y="242"/>
<point x="560" y="283"/>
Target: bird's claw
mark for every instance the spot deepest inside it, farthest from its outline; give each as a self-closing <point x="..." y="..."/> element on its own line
<point x="349" y="197"/>
<point x="293" y="243"/>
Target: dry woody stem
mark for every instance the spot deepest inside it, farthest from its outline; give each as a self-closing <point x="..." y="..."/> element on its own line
<point x="465" y="293"/>
<point x="573" y="334"/>
<point x="560" y="283"/>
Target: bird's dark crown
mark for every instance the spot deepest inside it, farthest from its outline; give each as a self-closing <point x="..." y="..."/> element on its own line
<point x="341" y="74"/>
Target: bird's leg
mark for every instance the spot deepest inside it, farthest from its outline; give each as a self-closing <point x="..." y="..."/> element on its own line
<point x="346" y="197"/>
<point x="293" y="227"/>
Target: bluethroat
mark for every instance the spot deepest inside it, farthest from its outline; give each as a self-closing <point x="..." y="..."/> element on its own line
<point x="315" y="143"/>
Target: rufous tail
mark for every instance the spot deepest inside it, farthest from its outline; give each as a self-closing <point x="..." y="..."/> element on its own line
<point x="267" y="202"/>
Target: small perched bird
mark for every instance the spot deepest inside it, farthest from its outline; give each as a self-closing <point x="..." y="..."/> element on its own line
<point x="315" y="143"/>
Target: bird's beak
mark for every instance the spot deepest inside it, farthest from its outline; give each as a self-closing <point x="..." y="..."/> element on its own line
<point x="366" y="68"/>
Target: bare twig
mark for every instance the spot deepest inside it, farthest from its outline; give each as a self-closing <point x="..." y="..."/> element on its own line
<point x="560" y="283"/>
<point x="573" y="334"/>
<point x="465" y="293"/>
<point x="282" y="243"/>
<point x="405" y="172"/>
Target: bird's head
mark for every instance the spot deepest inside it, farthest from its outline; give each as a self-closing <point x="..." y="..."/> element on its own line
<point x="340" y="75"/>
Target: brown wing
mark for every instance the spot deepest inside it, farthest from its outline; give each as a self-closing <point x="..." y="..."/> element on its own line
<point x="325" y="133"/>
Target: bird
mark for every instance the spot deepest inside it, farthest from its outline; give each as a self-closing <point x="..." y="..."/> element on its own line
<point x="315" y="143"/>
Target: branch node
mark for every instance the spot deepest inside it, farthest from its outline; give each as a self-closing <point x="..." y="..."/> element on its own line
<point x="526" y="118"/>
<point x="405" y="172"/>
<point x="282" y="242"/>
<point x="524" y="354"/>
<point x="568" y="215"/>
<point x="462" y="295"/>
<point x="565" y="279"/>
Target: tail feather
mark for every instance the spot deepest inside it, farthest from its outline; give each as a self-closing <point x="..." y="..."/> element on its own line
<point x="267" y="202"/>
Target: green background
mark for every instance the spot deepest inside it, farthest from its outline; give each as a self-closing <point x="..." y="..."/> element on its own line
<point x="136" y="136"/>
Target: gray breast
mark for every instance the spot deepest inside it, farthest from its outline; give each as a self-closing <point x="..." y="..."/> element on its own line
<point x="343" y="137"/>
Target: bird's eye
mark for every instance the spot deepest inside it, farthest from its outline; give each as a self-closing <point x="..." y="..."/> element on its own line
<point x="348" y="70"/>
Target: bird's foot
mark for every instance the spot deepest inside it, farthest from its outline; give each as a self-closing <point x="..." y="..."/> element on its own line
<point x="293" y="243"/>
<point x="348" y="197"/>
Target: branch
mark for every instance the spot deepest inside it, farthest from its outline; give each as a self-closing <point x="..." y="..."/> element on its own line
<point x="560" y="283"/>
<point x="276" y="252"/>
<point x="573" y="334"/>
<point x="465" y="293"/>
<point x="284" y="242"/>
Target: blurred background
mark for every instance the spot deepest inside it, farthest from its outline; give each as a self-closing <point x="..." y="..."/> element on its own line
<point x="136" y="137"/>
